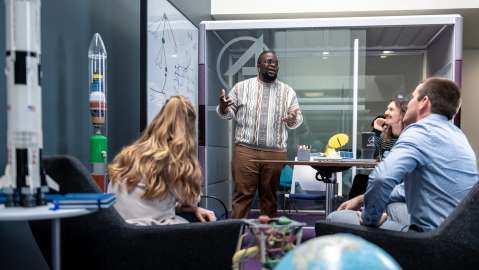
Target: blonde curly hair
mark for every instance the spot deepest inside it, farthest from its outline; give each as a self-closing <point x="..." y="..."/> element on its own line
<point x="164" y="157"/>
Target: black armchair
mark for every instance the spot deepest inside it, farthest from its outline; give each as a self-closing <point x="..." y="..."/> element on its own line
<point x="18" y="249"/>
<point x="103" y="240"/>
<point x="454" y="245"/>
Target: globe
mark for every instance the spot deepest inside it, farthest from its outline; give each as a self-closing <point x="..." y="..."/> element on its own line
<point x="338" y="252"/>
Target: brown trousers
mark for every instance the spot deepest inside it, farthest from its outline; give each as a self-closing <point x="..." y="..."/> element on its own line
<point x="250" y="176"/>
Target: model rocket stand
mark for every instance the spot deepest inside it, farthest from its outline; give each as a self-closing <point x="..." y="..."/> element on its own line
<point x="98" y="108"/>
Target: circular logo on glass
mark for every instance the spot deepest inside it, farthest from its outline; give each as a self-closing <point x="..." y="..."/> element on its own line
<point x="254" y="50"/>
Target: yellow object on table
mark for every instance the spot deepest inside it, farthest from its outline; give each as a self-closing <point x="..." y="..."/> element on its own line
<point x="335" y="142"/>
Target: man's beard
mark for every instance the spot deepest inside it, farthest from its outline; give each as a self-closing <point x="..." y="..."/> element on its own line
<point x="268" y="77"/>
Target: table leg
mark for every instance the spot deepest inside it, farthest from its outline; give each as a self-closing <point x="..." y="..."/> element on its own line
<point x="329" y="198"/>
<point x="56" y="247"/>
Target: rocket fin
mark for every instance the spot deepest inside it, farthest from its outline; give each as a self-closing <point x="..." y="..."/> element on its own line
<point x="4" y="180"/>
<point x="52" y="184"/>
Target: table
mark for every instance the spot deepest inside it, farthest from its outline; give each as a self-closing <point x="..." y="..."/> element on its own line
<point x="326" y="169"/>
<point x="44" y="212"/>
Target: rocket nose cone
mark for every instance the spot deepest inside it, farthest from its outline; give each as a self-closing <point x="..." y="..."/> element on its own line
<point x="97" y="47"/>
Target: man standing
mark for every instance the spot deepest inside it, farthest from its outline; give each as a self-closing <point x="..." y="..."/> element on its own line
<point x="432" y="156"/>
<point x="262" y="108"/>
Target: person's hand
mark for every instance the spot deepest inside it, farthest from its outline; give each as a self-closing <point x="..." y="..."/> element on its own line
<point x="290" y="119"/>
<point x="360" y="214"/>
<point x="225" y="101"/>
<point x="383" y="218"/>
<point x="379" y="124"/>
<point x="205" y="215"/>
<point x="352" y="204"/>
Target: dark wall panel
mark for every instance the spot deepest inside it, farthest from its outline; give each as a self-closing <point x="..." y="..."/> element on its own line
<point x="67" y="27"/>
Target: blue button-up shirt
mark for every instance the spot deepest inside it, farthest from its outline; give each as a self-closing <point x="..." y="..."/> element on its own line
<point x="398" y="194"/>
<point x="438" y="166"/>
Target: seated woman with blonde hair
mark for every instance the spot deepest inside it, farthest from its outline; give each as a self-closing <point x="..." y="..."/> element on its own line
<point x="160" y="173"/>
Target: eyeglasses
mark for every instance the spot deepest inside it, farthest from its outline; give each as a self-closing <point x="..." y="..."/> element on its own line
<point x="271" y="61"/>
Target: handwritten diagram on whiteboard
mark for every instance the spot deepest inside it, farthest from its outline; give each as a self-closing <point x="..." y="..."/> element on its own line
<point x="172" y="56"/>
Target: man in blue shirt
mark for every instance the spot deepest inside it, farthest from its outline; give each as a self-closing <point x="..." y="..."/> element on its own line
<point x="432" y="156"/>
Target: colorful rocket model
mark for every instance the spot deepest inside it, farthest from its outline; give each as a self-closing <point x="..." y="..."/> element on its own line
<point x="98" y="141"/>
<point x="24" y="182"/>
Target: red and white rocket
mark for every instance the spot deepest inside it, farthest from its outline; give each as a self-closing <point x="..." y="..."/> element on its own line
<point x="98" y="105"/>
<point x="24" y="182"/>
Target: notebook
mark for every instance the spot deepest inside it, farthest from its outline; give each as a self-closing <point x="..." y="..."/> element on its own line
<point x="81" y="200"/>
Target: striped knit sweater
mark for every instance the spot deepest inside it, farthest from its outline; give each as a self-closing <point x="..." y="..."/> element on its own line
<point x="382" y="145"/>
<point x="258" y="109"/>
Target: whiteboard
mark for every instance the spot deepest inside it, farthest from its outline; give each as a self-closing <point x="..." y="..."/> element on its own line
<point x="172" y="56"/>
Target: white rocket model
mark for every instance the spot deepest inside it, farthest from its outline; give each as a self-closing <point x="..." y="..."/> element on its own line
<point x="24" y="182"/>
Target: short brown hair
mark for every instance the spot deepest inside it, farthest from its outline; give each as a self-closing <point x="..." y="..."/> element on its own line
<point x="444" y="95"/>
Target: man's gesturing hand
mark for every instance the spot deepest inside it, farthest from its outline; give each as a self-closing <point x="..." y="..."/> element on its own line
<point x="290" y="119"/>
<point x="225" y="102"/>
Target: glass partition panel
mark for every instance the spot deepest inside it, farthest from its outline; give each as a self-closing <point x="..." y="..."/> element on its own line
<point x="316" y="62"/>
<point x="340" y="88"/>
<point x="389" y="74"/>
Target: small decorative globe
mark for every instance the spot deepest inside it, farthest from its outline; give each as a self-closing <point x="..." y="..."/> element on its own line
<point x="337" y="252"/>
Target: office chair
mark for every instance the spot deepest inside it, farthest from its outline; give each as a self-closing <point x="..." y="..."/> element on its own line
<point x="285" y="180"/>
<point x="19" y="249"/>
<point x="103" y="240"/>
<point x="216" y="205"/>
<point x="304" y="186"/>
